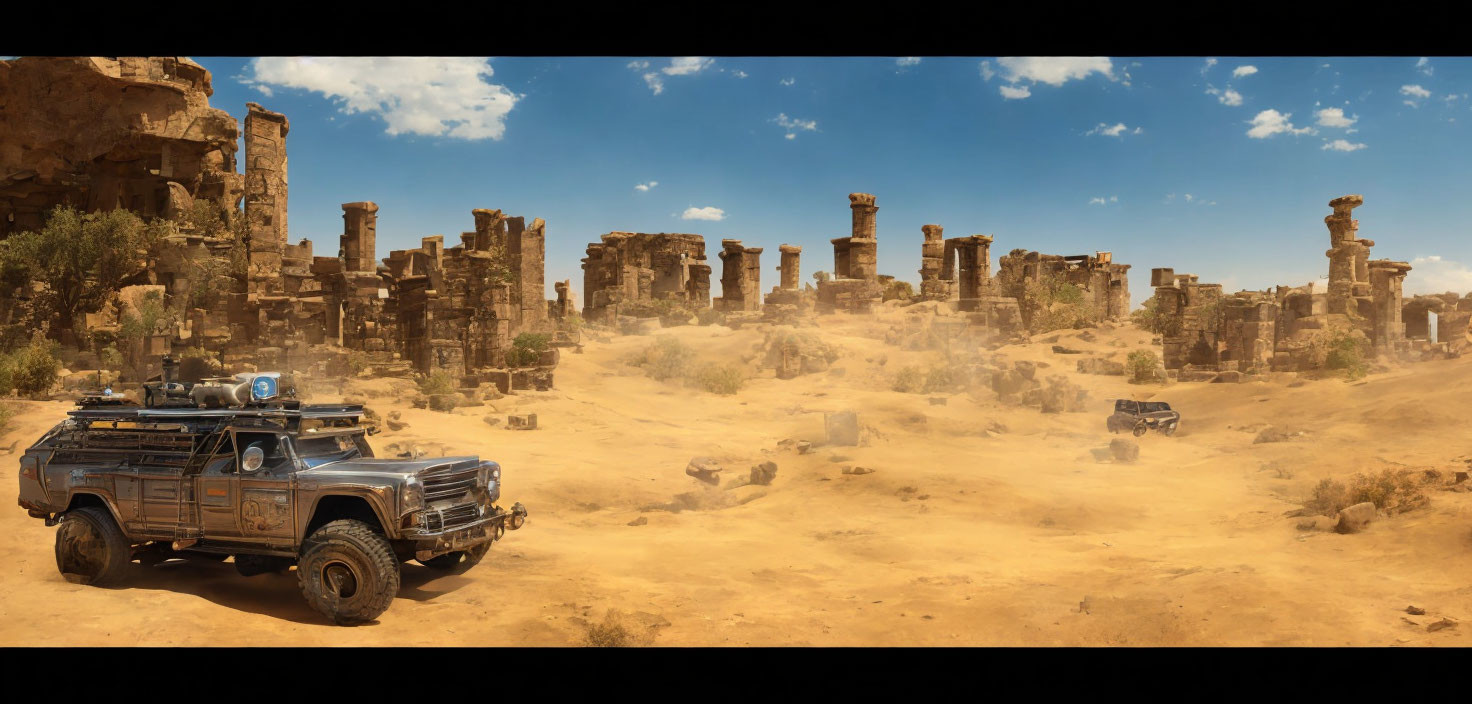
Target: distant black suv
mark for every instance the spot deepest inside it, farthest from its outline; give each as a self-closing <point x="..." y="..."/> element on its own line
<point x="1140" y="416"/>
<point x="273" y="483"/>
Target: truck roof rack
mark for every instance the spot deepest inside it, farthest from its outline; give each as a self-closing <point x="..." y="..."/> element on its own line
<point x="135" y="413"/>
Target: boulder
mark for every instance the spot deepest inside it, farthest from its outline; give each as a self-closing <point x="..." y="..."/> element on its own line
<point x="705" y="469"/>
<point x="764" y="473"/>
<point x="1355" y="518"/>
<point x="443" y="402"/>
<point x="858" y="470"/>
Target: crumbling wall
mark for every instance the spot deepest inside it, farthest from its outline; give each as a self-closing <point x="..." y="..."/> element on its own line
<point x="855" y="286"/>
<point x="630" y="269"/>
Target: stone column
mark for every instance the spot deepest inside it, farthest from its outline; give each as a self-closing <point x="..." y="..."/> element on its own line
<point x="531" y="266"/>
<point x="265" y="194"/>
<point x="752" y="287"/>
<point x="840" y="257"/>
<point x="790" y="268"/>
<point x="932" y="252"/>
<point x="359" y="235"/>
<point x="1386" y="278"/>
<point x="863" y="246"/>
<point x="1343" y="251"/>
<point x="490" y="228"/>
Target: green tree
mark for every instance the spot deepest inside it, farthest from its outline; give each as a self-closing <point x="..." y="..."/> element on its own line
<point x="80" y="258"/>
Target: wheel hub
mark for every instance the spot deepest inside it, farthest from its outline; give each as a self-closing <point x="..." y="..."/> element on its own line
<point x="339" y="580"/>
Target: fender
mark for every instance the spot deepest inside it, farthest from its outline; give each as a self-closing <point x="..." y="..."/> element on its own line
<point x="107" y="502"/>
<point x="390" y="526"/>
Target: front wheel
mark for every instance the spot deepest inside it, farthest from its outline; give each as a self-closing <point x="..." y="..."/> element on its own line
<point x="1168" y="430"/>
<point x="91" y="549"/>
<point x="1139" y="429"/>
<point x="348" y="572"/>
<point x="458" y="562"/>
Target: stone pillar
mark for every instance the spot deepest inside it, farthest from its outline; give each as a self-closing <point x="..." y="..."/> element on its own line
<point x="840" y="257"/>
<point x="265" y="194"/>
<point x="864" y="212"/>
<point x="790" y="268"/>
<point x="752" y="288"/>
<point x="530" y="247"/>
<point x="490" y="229"/>
<point x="863" y="246"/>
<point x="563" y="305"/>
<point x="738" y="280"/>
<point x="359" y="235"/>
<point x="1386" y="278"/>
<point x="932" y="252"/>
<point x="1343" y="251"/>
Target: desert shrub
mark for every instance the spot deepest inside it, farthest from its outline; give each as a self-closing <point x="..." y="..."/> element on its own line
<point x="1148" y="317"/>
<point x="1143" y="367"/>
<point x="899" y="290"/>
<point x="666" y="358"/>
<point x="436" y="382"/>
<point x="909" y="380"/>
<point x="941" y="379"/>
<point x="724" y="379"/>
<point x="1342" y="351"/>
<point x="1390" y="489"/>
<point x="1050" y="303"/>
<point x="34" y="369"/>
<point x="1328" y="498"/>
<point x="526" y="349"/>
<point x="709" y="316"/>
<point x="615" y="632"/>
<point x="111" y="358"/>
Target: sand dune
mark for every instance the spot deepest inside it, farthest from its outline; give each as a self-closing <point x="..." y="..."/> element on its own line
<point x="962" y="536"/>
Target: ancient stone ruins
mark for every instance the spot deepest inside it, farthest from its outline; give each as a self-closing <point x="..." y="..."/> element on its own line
<point x="139" y="134"/>
<point x="1207" y="334"/>
<point x="103" y="134"/>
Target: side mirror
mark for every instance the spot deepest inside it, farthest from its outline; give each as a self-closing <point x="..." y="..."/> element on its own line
<point x="252" y="459"/>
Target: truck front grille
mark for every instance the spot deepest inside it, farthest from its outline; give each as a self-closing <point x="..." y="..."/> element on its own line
<point x="451" y="482"/>
<point x="452" y="517"/>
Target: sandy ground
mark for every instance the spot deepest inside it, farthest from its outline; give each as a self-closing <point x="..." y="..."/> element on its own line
<point x="961" y="537"/>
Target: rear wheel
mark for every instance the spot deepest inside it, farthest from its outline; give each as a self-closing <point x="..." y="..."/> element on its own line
<point x="348" y="572"/>
<point x="458" y="562"/>
<point x="91" y="549"/>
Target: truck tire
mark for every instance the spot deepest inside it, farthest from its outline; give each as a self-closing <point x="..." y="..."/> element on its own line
<point x="91" y="549"/>
<point x="458" y="562"/>
<point x="348" y="572"/>
<point x="1139" y="429"/>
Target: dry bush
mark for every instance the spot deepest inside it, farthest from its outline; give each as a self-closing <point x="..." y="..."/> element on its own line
<point x="909" y="380"/>
<point x="666" y="358"/>
<point x="724" y="379"/>
<point x="437" y="382"/>
<point x="1144" y="367"/>
<point x="1395" y="490"/>
<point x="1328" y="498"/>
<point x="616" y="632"/>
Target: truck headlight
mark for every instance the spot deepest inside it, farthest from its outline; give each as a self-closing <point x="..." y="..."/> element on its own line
<point x="489" y="472"/>
<point x="411" y="495"/>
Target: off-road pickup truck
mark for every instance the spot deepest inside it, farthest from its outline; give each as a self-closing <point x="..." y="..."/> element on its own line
<point x="1140" y="416"/>
<point x="273" y="483"/>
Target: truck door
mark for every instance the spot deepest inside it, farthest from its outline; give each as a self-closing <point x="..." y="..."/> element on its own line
<point x="266" y="511"/>
<point x="219" y="490"/>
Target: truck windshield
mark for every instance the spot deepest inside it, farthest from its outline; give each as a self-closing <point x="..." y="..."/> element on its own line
<point x="315" y="451"/>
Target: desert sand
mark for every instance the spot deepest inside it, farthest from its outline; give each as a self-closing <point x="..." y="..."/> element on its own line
<point x="964" y="535"/>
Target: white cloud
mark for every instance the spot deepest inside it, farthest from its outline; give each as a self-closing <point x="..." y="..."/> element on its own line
<point x="1334" y="117"/>
<point x="679" y="66"/>
<point x="1241" y="71"/>
<point x="1097" y="200"/>
<point x="986" y="71"/>
<point x="1189" y="198"/>
<point x="1014" y="93"/>
<point x="907" y="61"/>
<point x="1053" y="70"/>
<point x="794" y="125"/>
<point x="646" y="186"/>
<point x="438" y="97"/>
<point x="1270" y="122"/>
<point x="739" y="73"/>
<point x="1139" y="130"/>
<point x="1433" y="274"/>
<point x="788" y="81"/>
<point x="1114" y="130"/>
<point x="1230" y="97"/>
<point x="1113" y="199"/>
<point x="1207" y="67"/>
<point x="706" y="213"/>
<point x="1416" y="92"/>
<point x="1424" y="66"/>
<point x="1343" y="145"/>
<point x="687" y="65"/>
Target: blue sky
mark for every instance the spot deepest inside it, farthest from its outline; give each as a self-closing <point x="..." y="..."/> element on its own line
<point x="1204" y="165"/>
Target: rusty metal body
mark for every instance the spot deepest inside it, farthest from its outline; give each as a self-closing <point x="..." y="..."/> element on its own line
<point x="177" y="477"/>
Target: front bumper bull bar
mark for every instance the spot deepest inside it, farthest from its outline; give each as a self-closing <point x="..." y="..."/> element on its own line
<point x="488" y="529"/>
